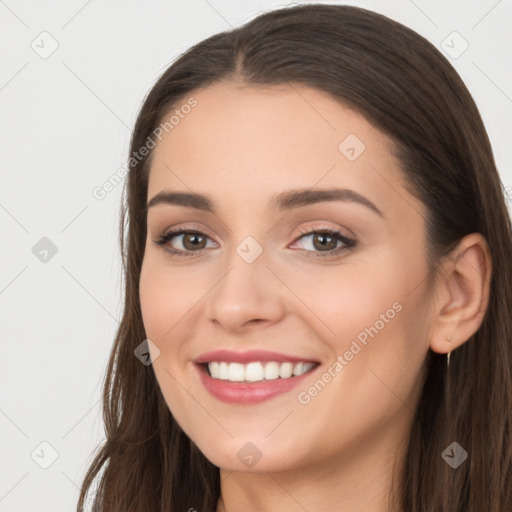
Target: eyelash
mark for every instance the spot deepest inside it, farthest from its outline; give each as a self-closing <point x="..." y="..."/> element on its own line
<point x="349" y="244"/>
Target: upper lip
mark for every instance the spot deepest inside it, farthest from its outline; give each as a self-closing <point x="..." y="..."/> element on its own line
<point x="230" y="356"/>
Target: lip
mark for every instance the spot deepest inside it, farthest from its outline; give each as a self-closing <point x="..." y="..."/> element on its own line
<point x="249" y="392"/>
<point x="230" y="356"/>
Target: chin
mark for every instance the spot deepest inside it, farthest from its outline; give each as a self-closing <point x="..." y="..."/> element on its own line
<point x="247" y="457"/>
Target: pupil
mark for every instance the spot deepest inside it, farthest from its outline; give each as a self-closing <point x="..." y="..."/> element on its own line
<point x="323" y="237"/>
<point x="195" y="237"/>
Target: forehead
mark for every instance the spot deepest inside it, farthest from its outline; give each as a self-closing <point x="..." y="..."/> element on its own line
<point x="230" y="114"/>
<point x="249" y="140"/>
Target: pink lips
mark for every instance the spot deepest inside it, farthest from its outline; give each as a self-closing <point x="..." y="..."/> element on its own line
<point x="230" y="356"/>
<point x="248" y="392"/>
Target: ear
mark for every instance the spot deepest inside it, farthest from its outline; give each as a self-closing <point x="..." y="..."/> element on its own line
<point x="462" y="294"/>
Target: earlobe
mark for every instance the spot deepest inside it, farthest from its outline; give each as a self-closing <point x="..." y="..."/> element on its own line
<point x="462" y="294"/>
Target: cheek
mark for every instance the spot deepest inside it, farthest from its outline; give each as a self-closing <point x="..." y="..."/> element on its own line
<point x="368" y="316"/>
<point x="153" y="299"/>
<point x="165" y="299"/>
<point x="348" y="299"/>
<point x="379" y="296"/>
<point x="381" y="335"/>
<point x="166" y="296"/>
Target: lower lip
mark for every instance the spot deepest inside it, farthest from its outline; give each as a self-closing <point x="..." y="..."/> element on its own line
<point x="248" y="392"/>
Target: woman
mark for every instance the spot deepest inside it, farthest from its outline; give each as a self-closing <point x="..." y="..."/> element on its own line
<point x="317" y="264"/>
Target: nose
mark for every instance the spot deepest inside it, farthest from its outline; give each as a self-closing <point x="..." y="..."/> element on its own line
<point x="249" y="294"/>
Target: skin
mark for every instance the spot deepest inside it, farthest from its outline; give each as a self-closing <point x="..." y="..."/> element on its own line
<point x="241" y="146"/>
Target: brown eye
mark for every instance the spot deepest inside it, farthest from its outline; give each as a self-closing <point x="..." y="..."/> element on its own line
<point x="192" y="241"/>
<point x="325" y="242"/>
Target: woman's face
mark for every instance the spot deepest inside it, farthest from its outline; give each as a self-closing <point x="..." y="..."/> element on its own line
<point x="263" y="274"/>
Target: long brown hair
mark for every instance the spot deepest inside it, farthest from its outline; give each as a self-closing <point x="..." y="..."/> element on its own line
<point x="407" y="88"/>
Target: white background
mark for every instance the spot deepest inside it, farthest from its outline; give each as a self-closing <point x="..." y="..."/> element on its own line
<point x="64" y="130"/>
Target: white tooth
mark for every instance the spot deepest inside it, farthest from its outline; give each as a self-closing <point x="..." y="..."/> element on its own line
<point x="298" y="369"/>
<point x="254" y="372"/>
<point x="285" y="370"/>
<point x="308" y="366"/>
<point x="214" y="369"/>
<point x="271" y="370"/>
<point x="236" y="372"/>
<point x="223" y="371"/>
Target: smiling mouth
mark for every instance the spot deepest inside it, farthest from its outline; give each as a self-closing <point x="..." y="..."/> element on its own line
<point x="256" y="371"/>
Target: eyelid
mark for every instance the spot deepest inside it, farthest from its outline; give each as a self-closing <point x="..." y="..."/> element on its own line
<point x="309" y="229"/>
<point x="188" y="226"/>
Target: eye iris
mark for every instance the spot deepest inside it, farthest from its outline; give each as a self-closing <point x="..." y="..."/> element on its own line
<point x="194" y="236"/>
<point x="323" y="236"/>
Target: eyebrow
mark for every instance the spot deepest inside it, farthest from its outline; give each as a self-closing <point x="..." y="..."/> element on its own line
<point x="287" y="200"/>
